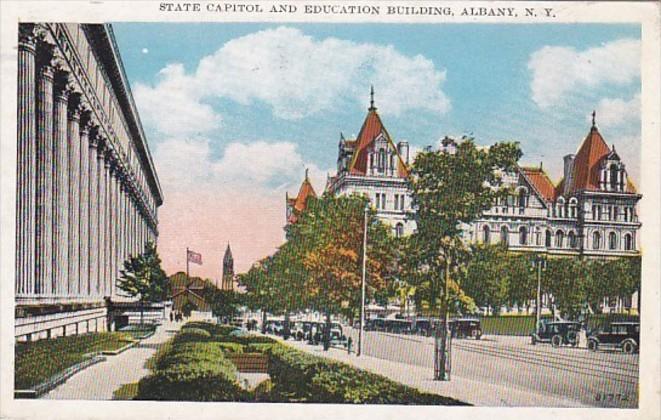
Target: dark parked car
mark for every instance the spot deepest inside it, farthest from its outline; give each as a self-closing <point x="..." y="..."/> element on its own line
<point x="619" y="335"/>
<point x="465" y="327"/>
<point x="557" y="333"/>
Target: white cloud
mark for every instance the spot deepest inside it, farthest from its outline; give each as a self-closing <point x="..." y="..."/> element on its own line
<point x="614" y="112"/>
<point x="558" y="72"/>
<point x="145" y="50"/>
<point x="173" y="107"/>
<point x="296" y="75"/>
<point x="188" y="164"/>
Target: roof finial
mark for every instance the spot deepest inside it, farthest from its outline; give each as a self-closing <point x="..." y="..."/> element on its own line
<point x="594" y="114"/>
<point x="372" y="107"/>
<point x="306" y="173"/>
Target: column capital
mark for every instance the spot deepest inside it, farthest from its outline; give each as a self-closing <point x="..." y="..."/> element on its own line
<point x="75" y="107"/>
<point x="27" y="37"/>
<point x="63" y="87"/>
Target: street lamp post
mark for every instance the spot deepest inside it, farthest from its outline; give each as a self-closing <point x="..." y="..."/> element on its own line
<point x="362" y="291"/>
<point x="539" y="262"/>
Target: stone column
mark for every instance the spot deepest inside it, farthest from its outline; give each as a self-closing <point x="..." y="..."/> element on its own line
<point x="61" y="199"/>
<point x="106" y="226"/>
<point x="83" y="207"/>
<point x="73" y="135"/>
<point x="44" y="205"/>
<point x="101" y="207"/>
<point x="26" y="176"/>
<point x="93" y="211"/>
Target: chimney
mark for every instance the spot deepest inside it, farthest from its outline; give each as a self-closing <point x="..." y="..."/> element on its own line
<point x="403" y="150"/>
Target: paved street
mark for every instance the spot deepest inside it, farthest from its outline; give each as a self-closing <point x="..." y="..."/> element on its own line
<point x="99" y="381"/>
<point x="504" y="370"/>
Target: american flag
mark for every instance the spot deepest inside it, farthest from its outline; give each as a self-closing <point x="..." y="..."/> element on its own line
<point x="194" y="257"/>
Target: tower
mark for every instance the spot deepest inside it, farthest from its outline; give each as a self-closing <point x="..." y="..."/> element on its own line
<point x="228" y="270"/>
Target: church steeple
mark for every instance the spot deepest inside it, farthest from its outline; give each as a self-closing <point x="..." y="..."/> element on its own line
<point x="228" y="269"/>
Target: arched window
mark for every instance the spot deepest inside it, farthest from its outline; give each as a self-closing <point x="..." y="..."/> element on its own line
<point x="547" y="241"/>
<point x="572" y="239"/>
<point x="628" y="242"/>
<point x="382" y="159"/>
<point x="559" y="238"/>
<point x="486" y="234"/>
<point x="613" y="176"/>
<point x="399" y="230"/>
<point x="504" y="235"/>
<point x="560" y="206"/>
<point x="573" y="207"/>
<point x="596" y="240"/>
<point x="538" y="236"/>
<point x="523" y="198"/>
<point x="523" y="235"/>
<point x="612" y="240"/>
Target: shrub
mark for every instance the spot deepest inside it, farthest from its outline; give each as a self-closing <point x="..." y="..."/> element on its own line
<point x="38" y="361"/>
<point x="213" y="329"/>
<point x="192" y="334"/>
<point x="192" y="371"/>
<point x="301" y="376"/>
<point x="258" y="347"/>
<point x="230" y="347"/>
<point x="200" y="381"/>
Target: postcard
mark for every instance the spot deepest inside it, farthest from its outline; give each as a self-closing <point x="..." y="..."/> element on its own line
<point x="330" y="209"/>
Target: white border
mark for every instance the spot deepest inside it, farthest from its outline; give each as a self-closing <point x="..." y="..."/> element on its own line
<point x="647" y="14"/>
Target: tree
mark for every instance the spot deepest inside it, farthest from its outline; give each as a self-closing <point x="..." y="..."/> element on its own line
<point x="486" y="276"/>
<point x="449" y="191"/>
<point x="144" y="279"/>
<point x="564" y="282"/>
<point x="328" y="240"/>
<point x="259" y="288"/>
<point x="224" y="303"/>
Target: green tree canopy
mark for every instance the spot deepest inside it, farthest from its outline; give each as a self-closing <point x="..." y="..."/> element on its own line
<point x="143" y="278"/>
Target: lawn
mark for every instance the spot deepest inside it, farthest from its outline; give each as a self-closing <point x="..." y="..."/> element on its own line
<point x="39" y="360"/>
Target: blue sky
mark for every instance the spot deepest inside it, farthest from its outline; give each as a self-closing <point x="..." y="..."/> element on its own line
<point x="248" y="106"/>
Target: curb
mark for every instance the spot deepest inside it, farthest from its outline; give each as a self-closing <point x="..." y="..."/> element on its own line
<point x="119" y="350"/>
<point x="56" y="379"/>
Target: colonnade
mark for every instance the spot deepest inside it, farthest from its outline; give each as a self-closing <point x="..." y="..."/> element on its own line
<point x="80" y="211"/>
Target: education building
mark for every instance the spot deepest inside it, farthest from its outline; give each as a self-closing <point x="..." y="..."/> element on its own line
<point x="87" y="189"/>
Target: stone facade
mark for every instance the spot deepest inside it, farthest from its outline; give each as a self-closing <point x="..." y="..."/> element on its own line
<point x="87" y="190"/>
<point x="372" y="165"/>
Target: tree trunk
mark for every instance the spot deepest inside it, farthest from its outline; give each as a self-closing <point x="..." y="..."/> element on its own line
<point x="142" y="314"/>
<point x="263" y="321"/>
<point x="286" y="331"/>
<point x="327" y="331"/>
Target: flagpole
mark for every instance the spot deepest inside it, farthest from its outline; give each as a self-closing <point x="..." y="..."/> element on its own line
<point x="187" y="276"/>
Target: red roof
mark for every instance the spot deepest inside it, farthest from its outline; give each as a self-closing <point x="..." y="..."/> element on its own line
<point x="300" y="201"/>
<point x="371" y="129"/>
<point x="540" y="182"/>
<point x="586" y="162"/>
<point x="304" y="193"/>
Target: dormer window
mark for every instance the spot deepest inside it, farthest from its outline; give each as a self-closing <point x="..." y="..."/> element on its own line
<point x="614" y="174"/>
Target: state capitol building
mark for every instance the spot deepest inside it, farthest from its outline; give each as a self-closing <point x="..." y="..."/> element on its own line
<point x="590" y="212"/>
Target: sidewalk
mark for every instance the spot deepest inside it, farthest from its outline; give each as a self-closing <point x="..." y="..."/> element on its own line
<point x="463" y="389"/>
<point x="99" y="381"/>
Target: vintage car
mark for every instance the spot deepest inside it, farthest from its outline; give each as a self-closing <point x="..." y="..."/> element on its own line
<point x="617" y="335"/>
<point x="557" y="333"/>
<point x="274" y="327"/>
<point x="465" y="327"/>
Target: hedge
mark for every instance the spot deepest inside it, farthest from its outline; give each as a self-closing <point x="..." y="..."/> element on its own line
<point x="192" y="371"/>
<point x="37" y="361"/>
<point x="192" y="334"/>
<point x="230" y="347"/>
<point x="300" y="376"/>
